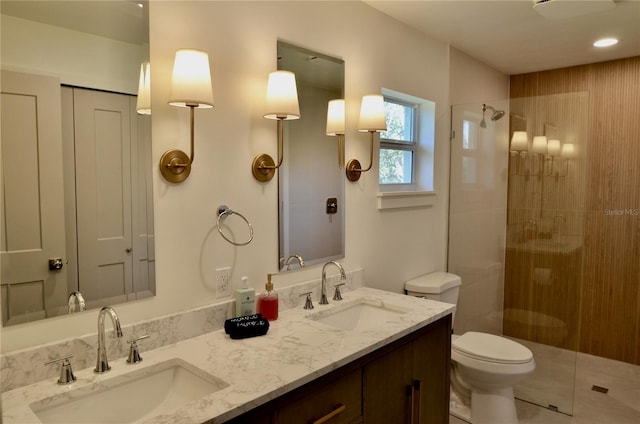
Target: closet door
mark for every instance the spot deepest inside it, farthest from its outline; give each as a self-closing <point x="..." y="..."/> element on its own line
<point x="32" y="211"/>
<point x="103" y="187"/>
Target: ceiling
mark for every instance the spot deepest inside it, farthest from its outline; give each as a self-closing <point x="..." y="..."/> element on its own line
<point x="513" y="38"/>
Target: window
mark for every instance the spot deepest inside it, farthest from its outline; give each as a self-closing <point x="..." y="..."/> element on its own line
<point x="399" y="143"/>
<point x="407" y="152"/>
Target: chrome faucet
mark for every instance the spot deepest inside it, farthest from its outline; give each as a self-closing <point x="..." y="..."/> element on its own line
<point x="75" y="303"/>
<point x="102" y="365"/>
<point x="343" y="276"/>
<point x="296" y="257"/>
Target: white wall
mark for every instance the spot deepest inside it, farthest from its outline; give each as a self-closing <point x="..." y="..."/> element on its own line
<point x="240" y="37"/>
<point x="478" y="212"/>
<point x="86" y="61"/>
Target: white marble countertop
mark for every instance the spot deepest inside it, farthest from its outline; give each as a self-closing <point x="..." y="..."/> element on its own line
<point x="295" y="351"/>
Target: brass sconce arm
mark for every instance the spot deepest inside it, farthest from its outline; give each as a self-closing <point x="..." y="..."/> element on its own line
<point x="263" y="167"/>
<point x="175" y="165"/>
<point x="353" y="166"/>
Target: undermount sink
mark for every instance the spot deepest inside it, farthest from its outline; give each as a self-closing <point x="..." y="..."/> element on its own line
<point x="361" y="314"/>
<point x="140" y="394"/>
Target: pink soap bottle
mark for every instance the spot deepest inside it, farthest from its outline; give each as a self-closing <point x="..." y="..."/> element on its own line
<point x="267" y="304"/>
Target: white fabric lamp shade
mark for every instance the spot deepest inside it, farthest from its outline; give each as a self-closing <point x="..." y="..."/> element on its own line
<point x="539" y="145"/>
<point x="191" y="80"/>
<point x="519" y="141"/>
<point x="569" y="151"/>
<point x="553" y="147"/>
<point x="282" y="96"/>
<point x="335" y="117"/>
<point x="143" y="103"/>
<point x="372" y="116"/>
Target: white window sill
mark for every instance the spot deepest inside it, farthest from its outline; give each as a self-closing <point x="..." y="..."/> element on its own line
<point x="406" y="199"/>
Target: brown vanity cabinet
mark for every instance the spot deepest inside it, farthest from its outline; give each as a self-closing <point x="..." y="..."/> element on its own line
<point x="332" y="400"/>
<point x="405" y="382"/>
<point x="410" y="382"/>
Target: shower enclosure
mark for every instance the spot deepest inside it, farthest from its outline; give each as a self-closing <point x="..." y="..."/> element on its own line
<point x="517" y="196"/>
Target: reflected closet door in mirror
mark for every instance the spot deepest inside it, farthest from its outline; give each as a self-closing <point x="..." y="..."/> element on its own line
<point x="96" y="45"/>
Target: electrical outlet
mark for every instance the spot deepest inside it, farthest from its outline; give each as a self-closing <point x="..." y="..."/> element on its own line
<point x="223" y="287"/>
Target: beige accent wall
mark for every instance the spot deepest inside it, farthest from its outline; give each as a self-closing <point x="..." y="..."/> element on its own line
<point x="605" y="297"/>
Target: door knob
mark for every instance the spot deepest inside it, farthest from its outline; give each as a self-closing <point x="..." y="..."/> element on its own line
<point x="55" y="264"/>
<point x="128" y="250"/>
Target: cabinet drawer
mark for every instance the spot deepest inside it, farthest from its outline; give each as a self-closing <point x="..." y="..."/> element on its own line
<point x="339" y="400"/>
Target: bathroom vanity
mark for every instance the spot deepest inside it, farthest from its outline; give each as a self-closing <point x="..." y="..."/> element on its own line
<point x="374" y="357"/>
<point x="405" y="381"/>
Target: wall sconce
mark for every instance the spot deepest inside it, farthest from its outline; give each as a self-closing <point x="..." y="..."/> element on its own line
<point x="336" y="126"/>
<point x="568" y="152"/>
<point x="553" y="151"/>
<point x="372" y="120"/>
<point x="143" y="103"/>
<point x="190" y="87"/>
<point x="553" y="148"/>
<point x="539" y="152"/>
<point x="282" y="104"/>
<point x="519" y="148"/>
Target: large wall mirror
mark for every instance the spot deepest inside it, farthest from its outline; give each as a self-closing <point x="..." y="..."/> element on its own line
<point x="77" y="209"/>
<point x="311" y="185"/>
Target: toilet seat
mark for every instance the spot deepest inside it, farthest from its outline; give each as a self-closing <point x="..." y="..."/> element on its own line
<point x="491" y="348"/>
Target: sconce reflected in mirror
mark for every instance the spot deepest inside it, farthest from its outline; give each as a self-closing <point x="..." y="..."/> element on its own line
<point x="543" y="151"/>
<point x="282" y="105"/>
<point x="336" y="126"/>
<point x="568" y="153"/>
<point x="539" y="153"/>
<point x="190" y="87"/>
<point x="143" y="103"/>
<point x="372" y="120"/>
<point x="553" y="151"/>
<point x="519" y="148"/>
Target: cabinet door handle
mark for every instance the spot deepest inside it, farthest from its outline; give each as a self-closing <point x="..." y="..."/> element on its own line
<point x="413" y="403"/>
<point x="338" y="409"/>
<point x="417" y="385"/>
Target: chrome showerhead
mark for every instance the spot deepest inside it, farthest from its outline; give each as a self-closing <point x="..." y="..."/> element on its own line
<point x="497" y="114"/>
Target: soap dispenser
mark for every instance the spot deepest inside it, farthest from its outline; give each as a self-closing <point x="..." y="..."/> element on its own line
<point x="268" y="302"/>
<point x="245" y="299"/>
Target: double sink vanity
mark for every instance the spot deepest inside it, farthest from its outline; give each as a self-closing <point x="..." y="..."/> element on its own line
<point x="373" y="357"/>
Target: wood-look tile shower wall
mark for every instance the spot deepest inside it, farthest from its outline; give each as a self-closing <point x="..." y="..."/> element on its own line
<point x="602" y="288"/>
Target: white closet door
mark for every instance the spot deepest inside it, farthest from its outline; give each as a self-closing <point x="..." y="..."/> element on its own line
<point x="32" y="198"/>
<point x="103" y="169"/>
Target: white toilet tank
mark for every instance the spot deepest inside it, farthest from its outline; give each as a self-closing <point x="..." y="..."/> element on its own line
<point x="441" y="286"/>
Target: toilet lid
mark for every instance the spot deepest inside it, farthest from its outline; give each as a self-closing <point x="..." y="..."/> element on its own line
<point x="492" y="348"/>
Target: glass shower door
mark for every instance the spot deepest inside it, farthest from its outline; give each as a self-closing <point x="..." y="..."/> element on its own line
<point x="515" y="233"/>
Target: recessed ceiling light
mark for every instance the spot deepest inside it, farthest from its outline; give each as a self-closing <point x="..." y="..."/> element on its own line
<point x="606" y="42"/>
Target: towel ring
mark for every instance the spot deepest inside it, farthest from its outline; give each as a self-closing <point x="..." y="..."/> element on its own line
<point x="223" y="212"/>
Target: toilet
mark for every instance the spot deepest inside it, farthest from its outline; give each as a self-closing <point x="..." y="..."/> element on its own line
<point x="484" y="367"/>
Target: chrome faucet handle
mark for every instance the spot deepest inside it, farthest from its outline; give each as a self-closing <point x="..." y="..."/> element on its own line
<point x="308" y="303"/>
<point x="134" y="352"/>
<point x="337" y="295"/>
<point x="66" y="373"/>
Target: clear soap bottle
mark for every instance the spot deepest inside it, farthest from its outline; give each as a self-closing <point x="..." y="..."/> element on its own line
<point x="245" y="299"/>
<point x="268" y="302"/>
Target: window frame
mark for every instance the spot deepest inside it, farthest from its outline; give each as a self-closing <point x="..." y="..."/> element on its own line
<point x="403" y="145"/>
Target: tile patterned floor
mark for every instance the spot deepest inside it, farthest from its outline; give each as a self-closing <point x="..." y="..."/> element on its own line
<point x="621" y="405"/>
